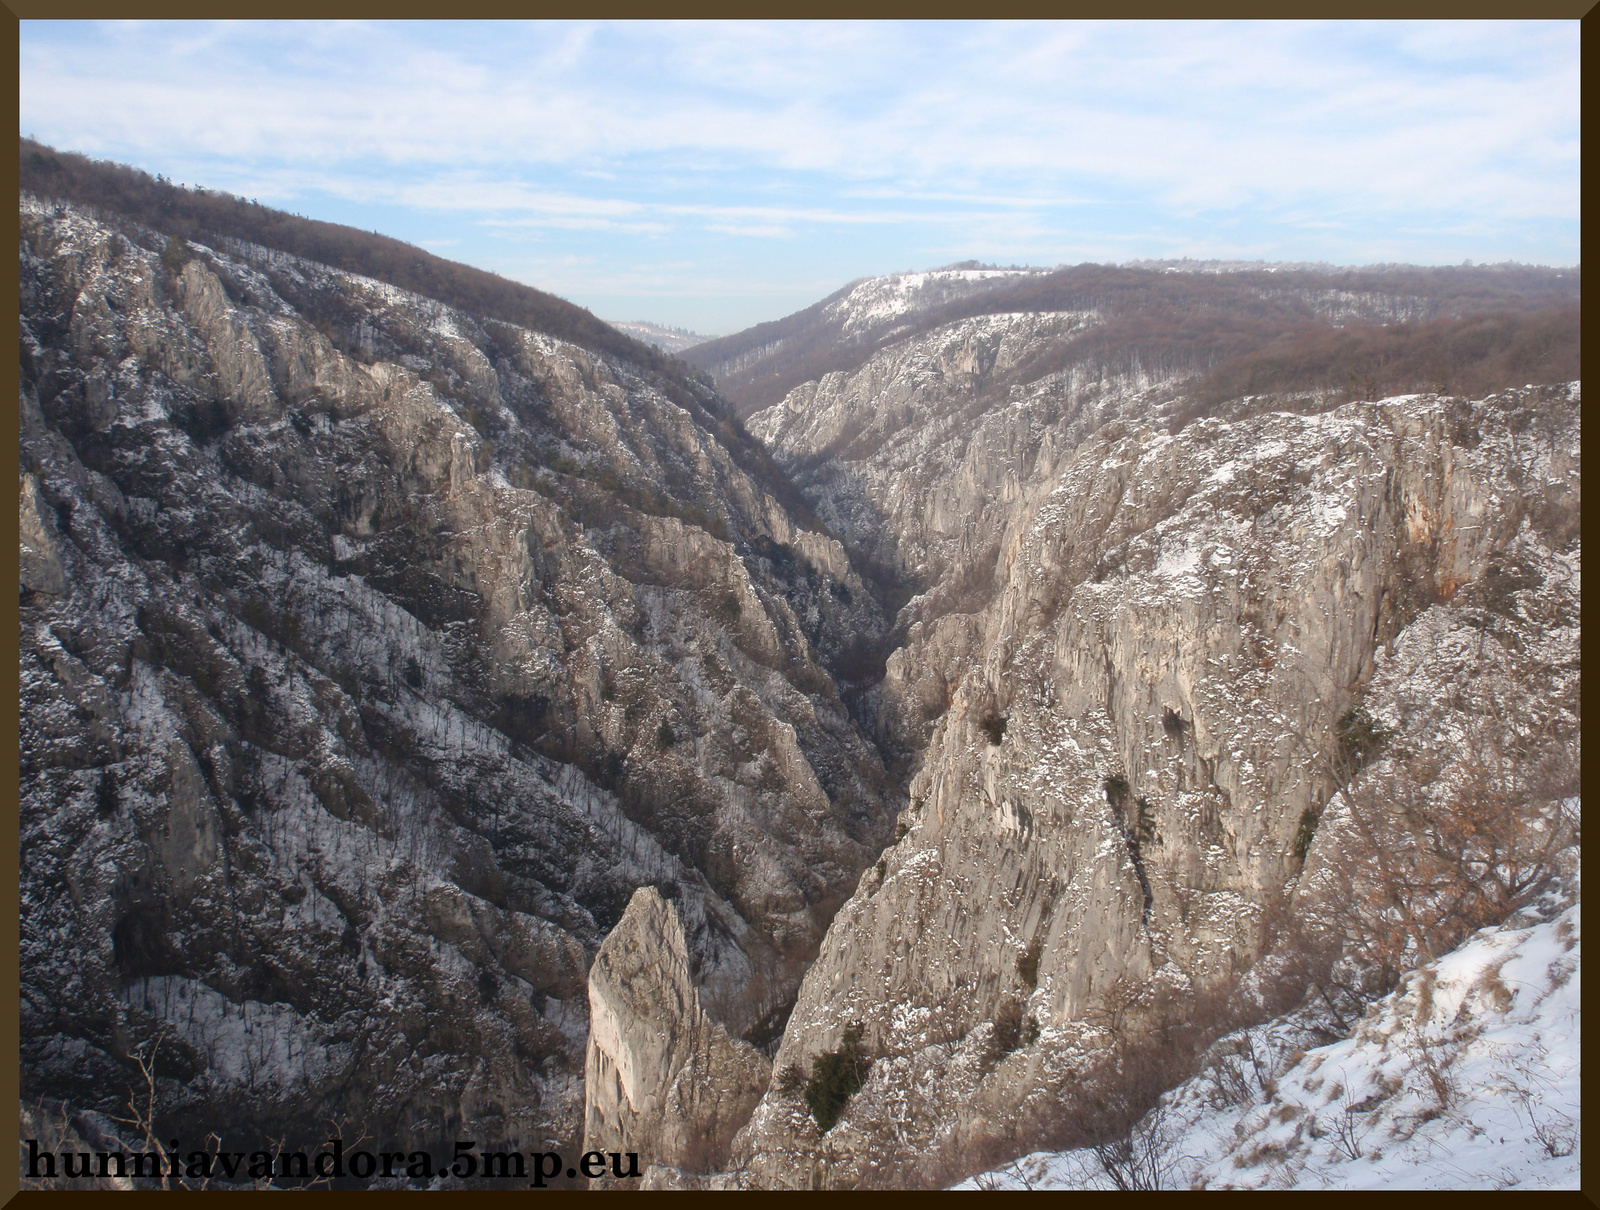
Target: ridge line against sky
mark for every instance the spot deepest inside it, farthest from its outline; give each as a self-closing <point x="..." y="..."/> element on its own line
<point x="711" y="176"/>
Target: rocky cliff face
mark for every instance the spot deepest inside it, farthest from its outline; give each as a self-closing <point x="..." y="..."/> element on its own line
<point x="371" y="657"/>
<point x="660" y="1073"/>
<point x="909" y="457"/>
<point x="1128" y="672"/>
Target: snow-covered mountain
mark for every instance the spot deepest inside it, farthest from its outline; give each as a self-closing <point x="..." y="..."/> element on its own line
<point x="1129" y="730"/>
<point x="1143" y="623"/>
<point x="374" y="653"/>
<point x="1249" y="330"/>
<point x="875" y="304"/>
<point x="755" y="367"/>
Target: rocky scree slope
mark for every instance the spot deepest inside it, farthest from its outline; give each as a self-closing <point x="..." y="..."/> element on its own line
<point x="1132" y="733"/>
<point x="372" y="655"/>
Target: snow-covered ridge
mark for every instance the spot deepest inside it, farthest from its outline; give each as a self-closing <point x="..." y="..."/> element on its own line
<point x="1466" y="1076"/>
<point x="879" y="300"/>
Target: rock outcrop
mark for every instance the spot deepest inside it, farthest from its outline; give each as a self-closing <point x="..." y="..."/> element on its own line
<point x="662" y="1078"/>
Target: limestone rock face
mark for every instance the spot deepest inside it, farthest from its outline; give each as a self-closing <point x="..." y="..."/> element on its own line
<point x="907" y="456"/>
<point x="927" y="457"/>
<point x="1135" y="726"/>
<point x="372" y="656"/>
<point x="663" y="1079"/>
<point x="40" y="564"/>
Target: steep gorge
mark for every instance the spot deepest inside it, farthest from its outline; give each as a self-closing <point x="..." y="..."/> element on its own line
<point x="446" y="728"/>
<point x="1127" y="685"/>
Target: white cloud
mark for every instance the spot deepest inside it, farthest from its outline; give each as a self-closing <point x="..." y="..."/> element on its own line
<point x="1007" y="135"/>
<point x="1211" y="114"/>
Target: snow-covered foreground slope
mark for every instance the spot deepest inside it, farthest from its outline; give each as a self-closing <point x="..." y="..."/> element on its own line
<point x="1466" y="1076"/>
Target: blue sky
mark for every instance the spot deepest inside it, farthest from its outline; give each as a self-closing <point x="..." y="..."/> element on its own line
<point x="711" y="176"/>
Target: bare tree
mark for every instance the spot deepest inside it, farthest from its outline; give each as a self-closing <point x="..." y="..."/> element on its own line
<point x="1432" y="838"/>
<point x="1349" y="1126"/>
<point x="142" y="1118"/>
<point x="1435" y="850"/>
<point x="1146" y="1157"/>
<point x="1552" y="1129"/>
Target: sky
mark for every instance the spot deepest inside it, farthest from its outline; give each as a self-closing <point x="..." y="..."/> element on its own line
<point x="712" y="176"/>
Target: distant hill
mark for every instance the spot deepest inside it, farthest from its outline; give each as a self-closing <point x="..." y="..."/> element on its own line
<point x="1242" y="329"/>
<point x="668" y="340"/>
<point x="757" y="367"/>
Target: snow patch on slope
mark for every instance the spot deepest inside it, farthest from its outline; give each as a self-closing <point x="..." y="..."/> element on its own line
<point x="878" y="300"/>
<point x="1466" y="1076"/>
